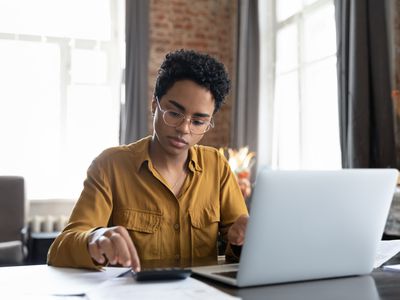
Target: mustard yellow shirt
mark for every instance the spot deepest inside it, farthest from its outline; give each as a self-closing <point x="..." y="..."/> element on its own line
<point x="123" y="188"/>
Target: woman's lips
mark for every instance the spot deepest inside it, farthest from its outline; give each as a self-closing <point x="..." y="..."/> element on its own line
<point x="177" y="142"/>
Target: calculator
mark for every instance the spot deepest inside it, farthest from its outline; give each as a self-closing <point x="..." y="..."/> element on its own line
<point x="162" y="274"/>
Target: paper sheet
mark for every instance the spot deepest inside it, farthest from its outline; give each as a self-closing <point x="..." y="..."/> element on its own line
<point x="128" y="288"/>
<point x="395" y="268"/>
<point x="386" y="250"/>
<point x="42" y="281"/>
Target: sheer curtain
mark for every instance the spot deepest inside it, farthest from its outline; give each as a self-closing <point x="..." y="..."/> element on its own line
<point x="365" y="106"/>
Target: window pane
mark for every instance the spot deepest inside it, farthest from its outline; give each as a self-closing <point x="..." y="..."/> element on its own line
<point x="85" y="19"/>
<point x="30" y="113"/>
<point x="88" y="66"/>
<point x="92" y="126"/>
<point x="321" y="145"/>
<point x="46" y="111"/>
<point x="304" y="104"/>
<point x="286" y="49"/>
<point x="286" y="122"/>
<point x="287" y="8"/>
<point x="320" y="33"/>
<point x="308" y="2"/>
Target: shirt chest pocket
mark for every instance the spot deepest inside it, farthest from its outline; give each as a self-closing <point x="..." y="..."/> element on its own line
<point x="143" y="228"/>
<point x="204" y="232"/>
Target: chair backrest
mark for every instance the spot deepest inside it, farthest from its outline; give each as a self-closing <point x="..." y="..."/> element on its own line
<point x="12" y="207"/>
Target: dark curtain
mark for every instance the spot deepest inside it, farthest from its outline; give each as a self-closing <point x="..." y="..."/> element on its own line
<point x="245" y="121"/>
<point x="133" y="121"/>
<point x="365" y="106"/>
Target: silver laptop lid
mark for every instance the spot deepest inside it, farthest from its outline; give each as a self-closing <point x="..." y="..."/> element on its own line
<point x="315" y="224"/>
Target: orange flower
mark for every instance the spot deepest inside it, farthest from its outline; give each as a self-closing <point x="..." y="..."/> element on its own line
<point x="240" y="160"/>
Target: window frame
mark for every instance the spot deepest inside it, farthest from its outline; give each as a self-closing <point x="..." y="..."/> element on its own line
<point x="114" y="51"/>
<point x="268" y="152"/>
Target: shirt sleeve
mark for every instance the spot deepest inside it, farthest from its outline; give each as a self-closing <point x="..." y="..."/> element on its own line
<point x="231" y="201"/>
<point x="92" y="211"/>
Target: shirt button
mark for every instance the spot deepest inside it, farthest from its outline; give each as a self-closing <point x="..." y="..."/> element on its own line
<point x="176" y="226"/>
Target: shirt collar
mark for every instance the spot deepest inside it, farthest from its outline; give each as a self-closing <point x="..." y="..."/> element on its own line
<point x="141" y="150"/>
<point x="193" y="159"/>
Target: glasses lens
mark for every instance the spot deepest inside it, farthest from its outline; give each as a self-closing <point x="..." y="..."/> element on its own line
<point x="200" y="126"/>
<point x="173" y="118"/>
<point x="197" y="126"/>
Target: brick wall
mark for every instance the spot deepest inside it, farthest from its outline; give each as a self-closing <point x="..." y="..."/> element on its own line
<point x="203" y="25"/>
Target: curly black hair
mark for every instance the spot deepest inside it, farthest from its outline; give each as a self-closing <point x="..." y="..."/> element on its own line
<point x="201" y="68"/>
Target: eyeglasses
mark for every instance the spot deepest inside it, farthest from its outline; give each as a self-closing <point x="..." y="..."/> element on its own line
<point x="197" y="125"/>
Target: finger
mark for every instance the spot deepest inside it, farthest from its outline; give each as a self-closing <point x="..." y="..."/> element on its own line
<point x="106" y="247"/>
<point x="236" y="234"/>
<point x="240" y="243"/>
<point x="121" y="248"/>
<point x="135" y="261"/>
<point x="95" y="253"/>
<point x="238" y="240"/>
<point x="233" y="235"/>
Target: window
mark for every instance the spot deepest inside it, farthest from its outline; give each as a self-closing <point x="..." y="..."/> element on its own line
<point x="61" y="68"/>
<point x="298" y="44"/>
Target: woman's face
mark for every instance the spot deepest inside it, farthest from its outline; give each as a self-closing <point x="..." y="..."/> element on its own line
<point x="190" y="99"/>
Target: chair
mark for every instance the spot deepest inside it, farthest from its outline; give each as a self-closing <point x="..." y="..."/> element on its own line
<point x="12" y="220"/>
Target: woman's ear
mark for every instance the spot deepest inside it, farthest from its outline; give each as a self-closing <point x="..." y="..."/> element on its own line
<point x="153" y="106"/>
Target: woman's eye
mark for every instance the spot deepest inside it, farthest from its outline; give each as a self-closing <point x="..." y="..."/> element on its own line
<point x="174" y="114"/>
<point x="198" y="122"/>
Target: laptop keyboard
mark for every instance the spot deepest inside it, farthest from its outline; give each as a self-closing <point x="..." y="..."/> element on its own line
<point x="231" y="274"/>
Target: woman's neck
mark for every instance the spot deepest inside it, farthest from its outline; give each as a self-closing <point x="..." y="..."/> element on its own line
<point x="165" y="161"/>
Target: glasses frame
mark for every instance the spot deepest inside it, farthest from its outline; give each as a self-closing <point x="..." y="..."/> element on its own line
<point x="185" y="118"/>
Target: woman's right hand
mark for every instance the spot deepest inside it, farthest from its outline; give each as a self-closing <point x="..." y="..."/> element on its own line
<point x="115" y="245"/>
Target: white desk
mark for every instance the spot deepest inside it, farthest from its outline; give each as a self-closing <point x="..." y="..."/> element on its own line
<point x="44" y="282"/>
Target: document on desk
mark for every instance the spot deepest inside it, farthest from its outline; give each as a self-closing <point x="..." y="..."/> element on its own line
<point x="386" y="250"/>
<point x="44" y="281"/>
<point x="395" y="268"/>
<point x="128" y="288"/>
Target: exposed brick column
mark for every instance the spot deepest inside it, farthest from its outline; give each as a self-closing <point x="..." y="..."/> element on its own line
<point x="204" y="25"/>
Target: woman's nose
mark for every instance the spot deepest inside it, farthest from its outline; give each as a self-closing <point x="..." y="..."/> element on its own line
<point x="184" y="127"/>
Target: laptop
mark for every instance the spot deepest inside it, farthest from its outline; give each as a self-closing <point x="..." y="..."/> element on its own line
<point x="307" y="225"/>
